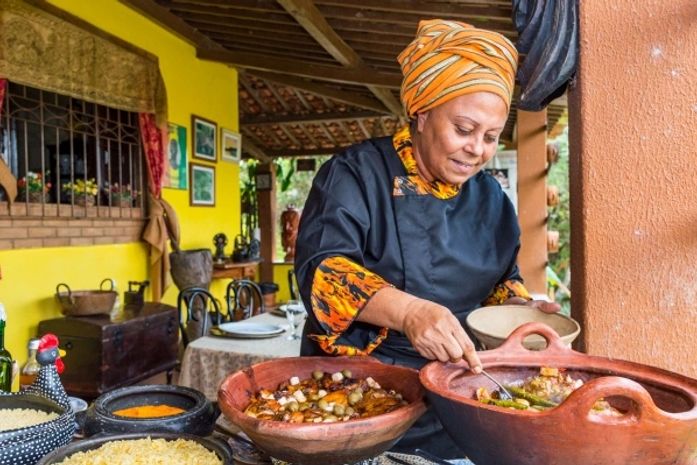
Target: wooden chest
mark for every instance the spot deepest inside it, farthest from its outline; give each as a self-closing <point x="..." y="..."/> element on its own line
<point x="102" y="354"/>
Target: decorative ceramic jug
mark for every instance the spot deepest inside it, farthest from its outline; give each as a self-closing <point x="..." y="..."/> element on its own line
<point x="290" y="219"/>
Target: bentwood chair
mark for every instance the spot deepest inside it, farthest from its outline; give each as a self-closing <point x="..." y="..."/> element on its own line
<point x="293" y="285"/>
<point x="244" y="299"/>
<point x="198" y="311"/>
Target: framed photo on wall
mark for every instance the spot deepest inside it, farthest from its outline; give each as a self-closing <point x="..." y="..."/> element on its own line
<point x="176" y="162"/>
<point x="204" y="138"/>
<point x="231" y="145"/>
<point x="202" y="192"/>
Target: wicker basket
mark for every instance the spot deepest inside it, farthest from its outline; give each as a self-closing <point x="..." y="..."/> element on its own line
<point x="84" y="303"/>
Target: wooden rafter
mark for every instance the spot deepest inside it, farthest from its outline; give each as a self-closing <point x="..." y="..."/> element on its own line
<point x="312" y="118"/>
<point x="309" y="17"/>
<point x="255" y="151"/>
<point x="300" y="68"/>
<point x="322" y="90"/>
<point x="306" y="152"/>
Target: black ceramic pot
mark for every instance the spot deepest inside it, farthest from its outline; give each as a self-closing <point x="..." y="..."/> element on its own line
<point x="25" y="446"/>
<point x="219" y="447"/>
<point x="199" y="416"/>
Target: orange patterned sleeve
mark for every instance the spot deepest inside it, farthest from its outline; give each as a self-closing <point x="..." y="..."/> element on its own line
<point x="505" y="290"/>
<point x="340" y="290"/>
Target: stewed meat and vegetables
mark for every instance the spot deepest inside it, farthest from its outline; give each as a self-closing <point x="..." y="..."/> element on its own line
<point x="324" y="398"/>
<point x="538" y="393"/>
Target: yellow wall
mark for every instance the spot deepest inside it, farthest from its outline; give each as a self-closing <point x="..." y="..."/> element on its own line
<point x="204" y="88"/>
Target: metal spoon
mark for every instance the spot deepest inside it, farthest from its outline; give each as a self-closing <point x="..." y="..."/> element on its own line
<point x="505" y="395"/>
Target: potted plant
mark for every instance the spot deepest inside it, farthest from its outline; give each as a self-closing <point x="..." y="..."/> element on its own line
<point x="122" y="196"/>
<point x="83" y="191"/>
<point x="32" y="187"/>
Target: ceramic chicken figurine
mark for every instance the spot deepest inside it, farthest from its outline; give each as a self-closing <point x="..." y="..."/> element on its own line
<point x="48" y="383"/>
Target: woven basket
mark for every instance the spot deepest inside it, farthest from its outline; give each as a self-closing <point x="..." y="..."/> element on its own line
<point x="84" y="303"/>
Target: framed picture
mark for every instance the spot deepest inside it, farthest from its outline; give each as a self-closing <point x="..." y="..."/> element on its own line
<point x="204" y="139"/>
<point x="202" y="192"/>
<point x="176" y="163"/>
<point x="231" y="146"/>
<point x="263" y="181"/>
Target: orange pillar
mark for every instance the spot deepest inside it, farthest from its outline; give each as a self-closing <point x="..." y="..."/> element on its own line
<point x="532" y="198"/>
<point x="267" y="223"/>
<point x="633" y="182"/>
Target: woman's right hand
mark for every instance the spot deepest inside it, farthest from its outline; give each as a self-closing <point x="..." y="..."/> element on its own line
<point x="437" y="335"/>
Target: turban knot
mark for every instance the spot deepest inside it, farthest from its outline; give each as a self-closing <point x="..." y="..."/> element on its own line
<point x="449" y="58"/>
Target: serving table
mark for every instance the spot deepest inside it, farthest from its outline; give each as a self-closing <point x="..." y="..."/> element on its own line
<point x="209" y="360"/>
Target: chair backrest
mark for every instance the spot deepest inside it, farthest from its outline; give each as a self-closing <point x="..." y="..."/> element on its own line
<point x="244" y="299"/>
<point x="198" y="311"/>
<point x="293" y="285"/>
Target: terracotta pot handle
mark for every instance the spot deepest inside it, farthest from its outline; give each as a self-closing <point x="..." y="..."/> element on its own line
<point x="580" y="402"/>
<point x="514" y="342"/>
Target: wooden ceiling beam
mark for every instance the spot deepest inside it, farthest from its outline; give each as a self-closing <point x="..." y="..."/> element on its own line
<point x="255" y="151"/>
<point x="309" y="17"/>
<point x="172" y="23"/>
<point x="422" y="8"/>
<point x="309" y="57"/>
<point x="405" y="18"/>
<point x="360" y="76"/>
<point x="312" y="118"/>
<point x="305" y="152"/>
<point x="225" y="14"/>
<point x="321" y="90"/>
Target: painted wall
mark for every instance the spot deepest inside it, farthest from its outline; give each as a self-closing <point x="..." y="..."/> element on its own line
<point x="204" y="88"/>
<point x="633" y="182"/>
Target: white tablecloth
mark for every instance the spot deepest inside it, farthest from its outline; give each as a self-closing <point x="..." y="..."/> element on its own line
<point x="209" y="360"/>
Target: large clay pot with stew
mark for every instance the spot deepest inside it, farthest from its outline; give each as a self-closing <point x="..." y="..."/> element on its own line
<point x="658" y="425"/>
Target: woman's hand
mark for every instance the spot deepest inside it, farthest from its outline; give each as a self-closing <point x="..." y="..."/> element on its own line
<point x="542" y="305"/>
<point x="437" y="335"/>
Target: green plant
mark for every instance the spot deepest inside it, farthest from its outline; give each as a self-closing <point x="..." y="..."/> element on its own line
<point x="33" y="183"/>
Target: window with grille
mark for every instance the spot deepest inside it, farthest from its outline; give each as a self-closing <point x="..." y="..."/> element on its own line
<point x="72" y="158"/>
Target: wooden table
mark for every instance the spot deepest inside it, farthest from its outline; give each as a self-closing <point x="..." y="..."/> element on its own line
<point x="208" y="360"/>
<point x="246" y="270"/>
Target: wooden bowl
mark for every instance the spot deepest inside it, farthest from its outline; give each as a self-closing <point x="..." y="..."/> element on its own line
<point x="322" y="443"/>
<point x="659" y="426"/>
<point x="492" y="325"/>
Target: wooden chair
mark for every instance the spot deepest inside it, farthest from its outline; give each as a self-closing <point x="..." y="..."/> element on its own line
<point x="293" y="285"/>
<point x="244" y="299"/>
<point x="198" y="311"/>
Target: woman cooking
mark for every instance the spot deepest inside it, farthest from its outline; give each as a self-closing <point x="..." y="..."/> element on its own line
<point x="401" y="237"/>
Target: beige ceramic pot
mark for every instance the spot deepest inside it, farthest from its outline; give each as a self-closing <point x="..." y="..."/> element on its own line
<point x="658" y="427"/>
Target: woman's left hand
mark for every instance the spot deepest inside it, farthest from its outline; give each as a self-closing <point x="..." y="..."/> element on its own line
<point x="542" y="305"/>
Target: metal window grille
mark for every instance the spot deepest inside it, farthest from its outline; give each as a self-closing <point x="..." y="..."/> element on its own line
<point x="71" y="143"/>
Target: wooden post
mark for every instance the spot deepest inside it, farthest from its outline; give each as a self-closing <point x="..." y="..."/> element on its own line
<point x="267" y="223"/>
<point x="532" y="198"/>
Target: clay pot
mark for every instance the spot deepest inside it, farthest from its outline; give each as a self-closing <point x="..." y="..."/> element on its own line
<point x="659" y="426"/>
<point x="322" y="443"/>
<point x="290" y="220"/>
<point x="198" y="418"/>
<point x="84" y="200"/>
<point x="191" y="268"/>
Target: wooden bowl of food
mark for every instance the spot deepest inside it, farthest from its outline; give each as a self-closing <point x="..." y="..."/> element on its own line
<point x="151" y="408"/>
<point x="609" y="412"/>
<point x="302" y="428"/>
<point x="492" y="325"/>
<point x="123" y="449"/>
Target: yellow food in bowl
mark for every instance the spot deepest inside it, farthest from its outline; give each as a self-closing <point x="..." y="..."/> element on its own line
<point x="15" y="418"/>
<point x="146" y="452"/>
<point x="149" y="411"/>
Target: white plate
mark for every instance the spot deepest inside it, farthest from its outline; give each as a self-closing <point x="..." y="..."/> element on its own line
<point x="250" y="330"/>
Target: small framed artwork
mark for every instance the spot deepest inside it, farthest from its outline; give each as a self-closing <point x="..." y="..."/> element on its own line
<point x="176" y="163"/>
<point x="204" y="139"/>
<point x="231" y="146"/>
<point x="202" y="192"/>
<point x="263" y="181"/>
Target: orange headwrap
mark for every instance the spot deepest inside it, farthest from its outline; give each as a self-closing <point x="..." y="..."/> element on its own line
<point x="449" y="58"/>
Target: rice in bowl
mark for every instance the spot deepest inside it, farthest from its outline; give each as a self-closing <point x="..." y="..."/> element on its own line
<point x="15" y="418"/>
<point x="146" y="452"/>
